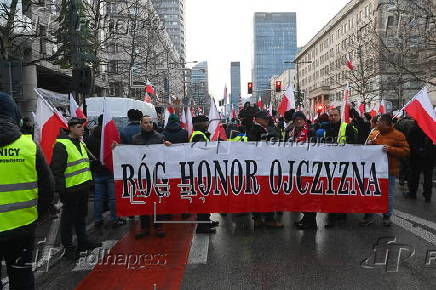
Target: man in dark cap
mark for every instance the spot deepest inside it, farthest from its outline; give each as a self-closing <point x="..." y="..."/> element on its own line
<point x="71" y="168"/>
<point x="200" y="134"/>
<point x="26" y="192"/>
<point x="264" y="130"/>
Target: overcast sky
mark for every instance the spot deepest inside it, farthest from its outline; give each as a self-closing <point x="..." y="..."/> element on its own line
<point x="221" y="31"/>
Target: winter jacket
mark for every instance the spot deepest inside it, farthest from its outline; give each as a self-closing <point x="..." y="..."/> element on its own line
<point x="363" y="129"/>
<point x="420" y="144"/>
<point x="127" y="133"/>
<point x="148" y="138"/>
<point x="175" y="134"/>
<point x="258" y="133"/>
<point x="332" y="131"/>
<point x="9" y="132"/>
<point x="397" y="147"/>
<point x="59" y="164"/>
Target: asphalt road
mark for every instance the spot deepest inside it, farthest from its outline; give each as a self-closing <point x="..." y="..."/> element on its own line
<point x="402" y="256"/>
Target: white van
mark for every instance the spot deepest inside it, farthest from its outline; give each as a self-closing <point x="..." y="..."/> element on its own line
<point x="118" y="108"/>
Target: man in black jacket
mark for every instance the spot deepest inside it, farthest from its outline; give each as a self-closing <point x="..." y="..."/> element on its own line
<point x="264" y="130"/>
<point x="74" y="197"/>
<point x="173" y="132"/>
<point x="17" y="242"/>
<point x="200" y="134"/>
<point x="335" y="132"/>
<point x="422" y="160"/>
<point x="149" y="136"/>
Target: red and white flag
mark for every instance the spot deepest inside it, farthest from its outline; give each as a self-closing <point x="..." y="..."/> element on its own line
<point x="421" y="110"/>
<point x="270" y="110"/>
<point x="183" y="119"/>
<point x="288" y="101"/>
<point x="149" y="88"/>
<point x="349" y="62"/>
<point x="167" y="113"/>
<point x="362" y="108"/>
<point x="48" y="123"/>
<point x="149" y="91"/>
<point x="189" y="126"/>
<point x="109" y="136"/>
<point x="75" y="110"/>
<point x="382" y="107"/>
<point x="260" y="103"/>
<point x="215" y="127"/>
<point x="234" y="116"/>
<point x="345" y="112"/>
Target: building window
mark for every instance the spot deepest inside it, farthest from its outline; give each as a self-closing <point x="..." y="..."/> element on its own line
<point x="112" y="66"/>
<point x="392" y="21"/>
<point x="43" y="39"/>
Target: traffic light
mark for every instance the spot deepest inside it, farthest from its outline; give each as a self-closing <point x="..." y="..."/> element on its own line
<point x="319" y="109"/>
<point x="250" y="88"/>
<point x="278" y="86"/>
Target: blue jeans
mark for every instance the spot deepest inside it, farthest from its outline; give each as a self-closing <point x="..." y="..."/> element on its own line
<point x="391" y="193"/>
<point x="390" y="196"/>
<point x="104" y="189"/>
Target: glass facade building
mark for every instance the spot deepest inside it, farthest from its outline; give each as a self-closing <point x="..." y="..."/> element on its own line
<point x="172" y="13"/>
<point x="275" y="41"/>
<point x="199" y="87"/>
<point x="235" y="79"/>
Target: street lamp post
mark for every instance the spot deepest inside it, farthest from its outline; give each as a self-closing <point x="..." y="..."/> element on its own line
<point x="183" y="64"/>
<point x="299" y="100"/>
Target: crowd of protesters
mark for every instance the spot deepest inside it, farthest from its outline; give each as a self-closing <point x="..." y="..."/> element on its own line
<point x="410" y="152"/>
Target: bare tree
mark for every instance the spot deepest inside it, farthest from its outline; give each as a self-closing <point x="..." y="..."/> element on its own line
<point x="362" y="48"/>
<point x="141" y="48"/>
<point x="407" y="46"/>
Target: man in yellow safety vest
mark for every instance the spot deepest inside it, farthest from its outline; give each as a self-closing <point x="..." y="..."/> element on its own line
<point x="26" y="192"/>
<point x="70" y="166"/>
<point x="200" y="134"/>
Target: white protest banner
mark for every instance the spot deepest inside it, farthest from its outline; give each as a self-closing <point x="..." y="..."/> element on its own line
<point x="250" y="177"/>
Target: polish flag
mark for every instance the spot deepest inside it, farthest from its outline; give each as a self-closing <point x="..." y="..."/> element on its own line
<point x="75" y="110"/>
<point x="109" y="136"/>
<point x="421" y="109"/>
<point x="149" y="88"/>
<point x="345" y="112"/>
<point x="234" y="116"/>
<point x="288" y="101"/>
<point x="189" y="126"/>
<point x="215" y="127"/>
<point x="183" y="119"/>
<point x="349" y="62"/>
<point x="373" y="112"/>
<point x="270" y="113"/>
<point x="259" y="103"/>
<point x="168" y="112"/>
<point x="48" y="123"/>
<point x="362" y="108"/>
<point x="382" y="107"/>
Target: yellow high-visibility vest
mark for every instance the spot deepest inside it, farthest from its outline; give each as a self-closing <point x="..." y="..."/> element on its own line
<point x="342" y="136"/>
<point x="195" y="133"/>
<point x="238" y="138"/>
<point x="78" y="170"/>
<point x="18" y="184"/>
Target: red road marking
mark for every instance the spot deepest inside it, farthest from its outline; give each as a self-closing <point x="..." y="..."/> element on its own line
<point x="159" y="261"/>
